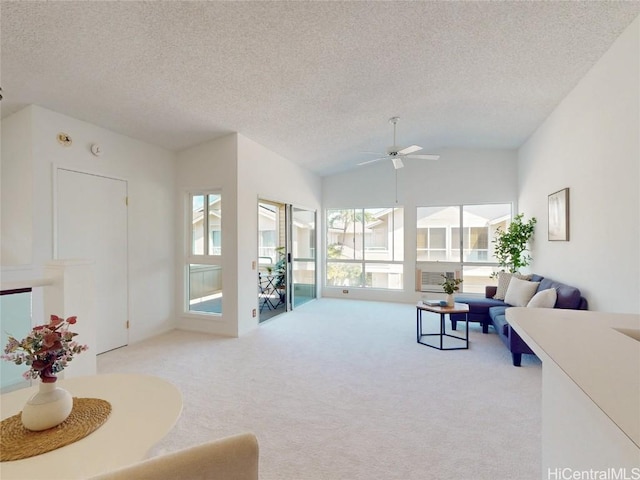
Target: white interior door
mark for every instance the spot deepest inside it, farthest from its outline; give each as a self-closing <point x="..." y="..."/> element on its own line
<point x="91" y="222"/>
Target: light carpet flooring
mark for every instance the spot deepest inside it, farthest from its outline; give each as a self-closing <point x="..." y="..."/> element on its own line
<point x="340" y="390"/>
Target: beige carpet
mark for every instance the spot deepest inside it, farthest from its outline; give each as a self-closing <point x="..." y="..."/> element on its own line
<point x="340" y="390"/>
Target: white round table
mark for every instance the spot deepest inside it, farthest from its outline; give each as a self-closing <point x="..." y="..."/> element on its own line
<point x="143" y="410"/>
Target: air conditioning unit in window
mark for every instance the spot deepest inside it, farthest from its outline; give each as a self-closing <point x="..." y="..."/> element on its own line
<point x="429" y="275"/>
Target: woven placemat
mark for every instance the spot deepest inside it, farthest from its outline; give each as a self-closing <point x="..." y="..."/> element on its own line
<point x="16" y="442"/>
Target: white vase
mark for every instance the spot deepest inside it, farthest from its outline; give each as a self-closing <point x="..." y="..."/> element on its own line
<point x="49" y="407"/>
<point x="450" y="300"/>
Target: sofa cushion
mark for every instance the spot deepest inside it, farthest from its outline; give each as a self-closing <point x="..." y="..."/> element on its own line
<point x="504" y="278"/>
<point x="568" y="297"/>
<point x="520" y="292"/>
<point x="478" y="305"/>
<point x="543" y="299"/>
<point x="499" y="319"/>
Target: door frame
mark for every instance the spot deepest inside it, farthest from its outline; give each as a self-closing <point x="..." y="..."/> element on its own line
<point x="288" y="208"/>
<point x="55" y="220"/>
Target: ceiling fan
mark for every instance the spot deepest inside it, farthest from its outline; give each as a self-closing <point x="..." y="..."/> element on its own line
<point x="396" y="153"/>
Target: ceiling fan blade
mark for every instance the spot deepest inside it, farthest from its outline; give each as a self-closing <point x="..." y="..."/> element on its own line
<point x="371" y="161"/>
<point x="397" y="163"/>
<point x="424" y="157"/>
<point x="409" y="149"/>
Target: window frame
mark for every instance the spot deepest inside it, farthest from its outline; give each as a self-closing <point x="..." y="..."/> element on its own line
<point x="395" y="246"/>
<point x="207" y="258"/>
<point x="463" y="232"/>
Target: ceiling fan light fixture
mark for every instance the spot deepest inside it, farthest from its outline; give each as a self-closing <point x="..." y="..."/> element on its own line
<point x="396" y="152"/>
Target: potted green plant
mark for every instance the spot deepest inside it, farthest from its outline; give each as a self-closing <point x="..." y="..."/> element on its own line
<point x="511" y="244"/>
<point x="279" y="269"/>
<point x="450" y="286"/>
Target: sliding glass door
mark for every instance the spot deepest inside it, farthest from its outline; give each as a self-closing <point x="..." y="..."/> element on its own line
<point x="272" y="259"/>
<point x="303" y="254"/>
<point x="286" y="257"/>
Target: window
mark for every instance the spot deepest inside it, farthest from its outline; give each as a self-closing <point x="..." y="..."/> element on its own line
<point x="204" y="269"/>
<point x="462" y="234"/>
<point x="365" y="247"/>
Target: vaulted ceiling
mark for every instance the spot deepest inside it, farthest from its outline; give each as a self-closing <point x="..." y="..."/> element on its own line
<point x="313" y="81"/>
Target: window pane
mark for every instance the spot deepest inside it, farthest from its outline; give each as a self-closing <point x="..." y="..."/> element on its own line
<point x="197" y="225"/>
<point x="267" y="226"/>
<point x="440" y="235"/>
<point x="438" y="238"/>
<point x="477" y="238"/>
<point x="442" y="225"/>
<point x="370" y="235"/>
<point x="476" y="246"/>
<point x="342" y="240"/>
<point x="205" y="288"/>
<point x="359" y="221"/>
<point x="454" y="251"/>
<point x="303" y="248"/>
<point x="378" y="230"/>
<point x="481" y="222"/>
<point x="422" y="244"/>
<point x="215" y="218"/>
<point x="383" y="275"/>
<point x="344" y="274"/>
<point x="437" y="244"/>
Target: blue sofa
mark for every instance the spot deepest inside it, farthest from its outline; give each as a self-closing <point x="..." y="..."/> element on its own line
<point x="489" y="311"/>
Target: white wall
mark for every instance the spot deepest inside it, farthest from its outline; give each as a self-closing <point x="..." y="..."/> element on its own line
<point x="16" y="183"/>
<point x="149" y="171"/>
<point x="591" y="144"/>
<point x="244" y="171"/>
<point x="459" y="177"/>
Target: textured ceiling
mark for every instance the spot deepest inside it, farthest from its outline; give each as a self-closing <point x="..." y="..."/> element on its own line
<point x="315" y="82"/>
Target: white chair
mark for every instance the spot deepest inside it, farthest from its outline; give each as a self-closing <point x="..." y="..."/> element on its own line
<point x="230" y="458"/>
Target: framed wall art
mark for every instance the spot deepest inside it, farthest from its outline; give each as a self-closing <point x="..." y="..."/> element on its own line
<point x="559" y="216"/>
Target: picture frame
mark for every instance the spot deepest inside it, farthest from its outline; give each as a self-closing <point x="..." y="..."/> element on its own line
<point x="559" y="216"/>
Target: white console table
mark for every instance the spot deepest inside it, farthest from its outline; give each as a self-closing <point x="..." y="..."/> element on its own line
<point x="144" y="409"/>
<point x="590" y="387"/>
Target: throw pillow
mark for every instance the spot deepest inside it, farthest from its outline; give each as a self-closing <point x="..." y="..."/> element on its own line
<point x="544" y="299"/>
<point x="503" y="283"/>
<point x="520" y="292"/>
